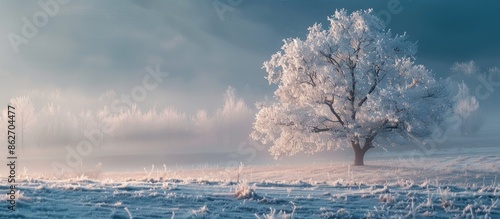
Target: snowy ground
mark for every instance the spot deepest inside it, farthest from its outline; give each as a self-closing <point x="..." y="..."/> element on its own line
<point x="440" y="187"/>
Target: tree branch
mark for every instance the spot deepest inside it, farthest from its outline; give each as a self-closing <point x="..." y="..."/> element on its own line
<point x="332" y="61"/>
<point x="318" y="130"/>
<point x="352" y="92"/>
<point x="368" y="143"/>
<point x="309" y="74"/>
<point x="375" y="83"/>
<point x="329" y="103"/>
<point x="311" y="78"/>
<point x="392" y="126"/>
<point x="379" y="127"/>
<point x="308" y="82"/>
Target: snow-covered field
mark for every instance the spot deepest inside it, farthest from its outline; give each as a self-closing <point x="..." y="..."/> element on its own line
<point x="440" y="187"/>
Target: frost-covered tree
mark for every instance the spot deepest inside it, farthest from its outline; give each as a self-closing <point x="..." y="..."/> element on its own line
<point x="467" y="68"/>
<point x="55" y="127"/>
<point x="351" y="85"/>
<point x="25" y="118"/>
<point x="466" y="108"/>
<point x="469" y="115"/>
<point x="228" y="118"/>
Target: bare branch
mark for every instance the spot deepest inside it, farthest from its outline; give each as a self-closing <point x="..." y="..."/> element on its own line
<point x="318" y="130"/>
<point x="307" y="82"/>
<point x="352" y="92"/>
<point x="332" y="61"/>
<point x="375" y="130"/>
<point x="376" y="73"/>
<point x="389" y="127"/>
<point x="329" y="103"/>
<point x="311" y="75"/>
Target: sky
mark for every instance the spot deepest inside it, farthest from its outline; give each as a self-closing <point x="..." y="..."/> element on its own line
<point x="86" y="50"/>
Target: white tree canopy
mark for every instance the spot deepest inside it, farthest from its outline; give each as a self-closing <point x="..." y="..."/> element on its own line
<point x="345" y="86"/>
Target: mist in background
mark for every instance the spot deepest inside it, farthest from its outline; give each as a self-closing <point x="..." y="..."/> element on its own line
<point x="194" y="69"/>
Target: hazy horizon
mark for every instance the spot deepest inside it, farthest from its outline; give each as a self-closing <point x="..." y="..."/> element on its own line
<point x="200" y="70"/>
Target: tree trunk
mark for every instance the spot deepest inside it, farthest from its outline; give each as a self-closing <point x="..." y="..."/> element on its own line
<point x="359" y="153"/>
<point x="358" y="157"/>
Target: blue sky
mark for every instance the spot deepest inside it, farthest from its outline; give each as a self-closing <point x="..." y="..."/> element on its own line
<point x="90" y="47"/>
